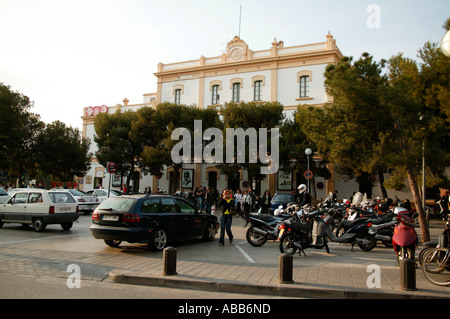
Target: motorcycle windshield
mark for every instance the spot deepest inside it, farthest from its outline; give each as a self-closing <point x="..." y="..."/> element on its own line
<point x="404" y="235"/>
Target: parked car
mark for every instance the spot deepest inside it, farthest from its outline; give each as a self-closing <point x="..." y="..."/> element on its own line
<point x="39" y="208"/>
<point x="102" y="194"/>
<point x="281" y="199"/>
<point x="152" y="219"/>
<point x="86" y="203"/>
<point x="4" y="196"/>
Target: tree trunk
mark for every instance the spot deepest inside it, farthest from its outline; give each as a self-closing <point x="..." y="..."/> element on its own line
<point x="418" y="203"/>
<point x="383" y="189"/>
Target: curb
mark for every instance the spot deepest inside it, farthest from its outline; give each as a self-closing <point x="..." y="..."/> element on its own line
<point x="283" y="290"/>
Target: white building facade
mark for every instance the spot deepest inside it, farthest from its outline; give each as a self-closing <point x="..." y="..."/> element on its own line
<point x="289" y="75"/>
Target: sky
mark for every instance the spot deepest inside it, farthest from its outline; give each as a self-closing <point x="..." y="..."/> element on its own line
<point x="69" y="54"/>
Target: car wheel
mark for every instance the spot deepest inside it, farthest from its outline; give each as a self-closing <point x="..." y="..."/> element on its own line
<point x="67" y="226"/>
<point x="113" y="243"/>
<point x="158" y="240"/>
<point x="39" y="225"/>
<point x="210" y="233"/>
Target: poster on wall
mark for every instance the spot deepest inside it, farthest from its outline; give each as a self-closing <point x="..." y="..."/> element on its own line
<point x="187" y="178"/>
<point x="284" y="180"/>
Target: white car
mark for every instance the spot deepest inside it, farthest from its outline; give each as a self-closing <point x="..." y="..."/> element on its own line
<point x="39" y="208"/>
<point x="102" y="194"/>
<point x="86" y="203"/>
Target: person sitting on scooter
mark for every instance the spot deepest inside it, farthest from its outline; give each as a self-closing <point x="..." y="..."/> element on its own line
<point x="304" y="198"/>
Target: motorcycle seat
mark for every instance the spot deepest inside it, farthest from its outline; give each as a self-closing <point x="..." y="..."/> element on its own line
<point x="351" y="223"/>
<point x="379" y="221"/>
<point x="264" y="217"/>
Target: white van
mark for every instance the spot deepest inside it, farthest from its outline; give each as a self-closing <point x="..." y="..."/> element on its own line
<point x="40" y="208"/>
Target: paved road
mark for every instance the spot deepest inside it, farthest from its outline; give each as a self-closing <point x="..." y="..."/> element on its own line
<point x="51" y="253"/>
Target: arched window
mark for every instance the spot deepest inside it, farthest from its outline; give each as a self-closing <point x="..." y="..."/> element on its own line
<point x="215" y="95"/>
<point x="177" y="96"/>
<point x="257" y="90"/>
<point x="236" y="92"/>
<point x="304" y="86"/>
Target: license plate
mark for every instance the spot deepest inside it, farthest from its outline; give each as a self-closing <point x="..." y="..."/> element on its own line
<point x="65" y="209"/>
<point x="281" y="233"/>
<point x="110" y="217"/>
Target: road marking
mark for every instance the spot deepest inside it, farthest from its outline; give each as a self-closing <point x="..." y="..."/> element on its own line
<point x="244" y="253"/>
<point x="44" y="238"/>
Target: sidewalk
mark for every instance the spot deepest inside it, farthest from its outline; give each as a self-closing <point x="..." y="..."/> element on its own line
<point x="341" y="274"/>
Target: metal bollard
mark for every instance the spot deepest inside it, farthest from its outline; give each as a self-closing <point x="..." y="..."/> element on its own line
<point x="170" y="261"/>
<point x="285" y="268"/>
<point x="408" y="274"/>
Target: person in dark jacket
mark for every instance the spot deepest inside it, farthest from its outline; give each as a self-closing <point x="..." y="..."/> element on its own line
<point x="265" y="202"/>
<point x="227" y="204"/>
<point x="304" y="198"/>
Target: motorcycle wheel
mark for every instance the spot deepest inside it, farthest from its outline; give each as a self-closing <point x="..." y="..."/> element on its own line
<point x="287" y="244"/>
<point x="255" y="239"/>
<point x="371" y="245"/>
<point x="387" y="243"/>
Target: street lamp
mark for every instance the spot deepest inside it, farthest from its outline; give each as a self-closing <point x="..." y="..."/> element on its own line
<point x="308" y="152"/>
<point x="445" y="44"/>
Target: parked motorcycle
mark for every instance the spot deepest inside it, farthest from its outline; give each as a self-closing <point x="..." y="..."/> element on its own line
<point x="306" y="231"/>
<point x="383" y="229"/>
<point x="263" y="227"/>
<point x="405" y="238"/>
<point x="358" y="234"/>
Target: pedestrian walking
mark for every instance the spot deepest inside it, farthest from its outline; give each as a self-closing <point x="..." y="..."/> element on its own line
<point x="265" y="202"/>
<point x="247" y="203"/>
<point x="227" y="204"/>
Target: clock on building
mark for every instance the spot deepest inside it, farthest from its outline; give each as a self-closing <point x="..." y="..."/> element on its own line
<point x="236" y="54"/>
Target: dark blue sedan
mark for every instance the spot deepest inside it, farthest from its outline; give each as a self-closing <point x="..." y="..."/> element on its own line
<point x="281" y="199"/>
<point x="155" y="220"/>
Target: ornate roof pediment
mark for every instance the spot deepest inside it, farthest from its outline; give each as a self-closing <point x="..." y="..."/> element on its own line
<point x="237" y="50"/>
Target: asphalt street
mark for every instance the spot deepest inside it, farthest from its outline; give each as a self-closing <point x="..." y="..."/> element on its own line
<point x="53" y="253"/>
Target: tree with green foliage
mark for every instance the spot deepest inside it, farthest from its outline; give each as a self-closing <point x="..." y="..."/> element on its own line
<point x="386" y="122"/>
<point x="18" y="131"/>
<point x="155" y="128"/>
<point x="346" y="131"/>
<point x="419" y="129"/>
<point x="62" y="152"/>
<point x="116" y="143"/>
<point x="247" y="115"/>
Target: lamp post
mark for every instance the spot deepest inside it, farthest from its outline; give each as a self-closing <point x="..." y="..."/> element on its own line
<point x="308" y="152"/>
<point x="445" y="44"/>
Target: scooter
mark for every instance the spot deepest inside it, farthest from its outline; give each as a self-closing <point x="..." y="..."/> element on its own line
<point x="263" y="227"/>
<point x="358" y="234"/>
<point x="305" y="231"/>
<point x="383" y="229"/>
<point x="405" y="238"/>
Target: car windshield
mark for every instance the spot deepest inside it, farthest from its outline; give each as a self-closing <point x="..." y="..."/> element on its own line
<point x="282" y="198"/>
<point x="76" y="192"/>
<point x="61" y="197"/>
<point x="117" y="204"/>
<point x="3" y="192"/>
